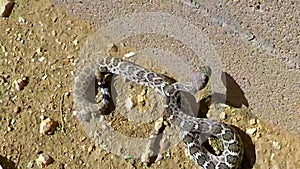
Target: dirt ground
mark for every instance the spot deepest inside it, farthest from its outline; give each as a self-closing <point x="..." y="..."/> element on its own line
<point x="40" y="43"/>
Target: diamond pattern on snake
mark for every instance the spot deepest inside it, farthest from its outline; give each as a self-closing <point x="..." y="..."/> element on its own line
<point x="193" y="131"/>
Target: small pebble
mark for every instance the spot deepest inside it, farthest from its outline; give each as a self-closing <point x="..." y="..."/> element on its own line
<point x="39" y="51"/>
<point x="44" y="160"/>
<point x="67" y="94"/>
<point x="272" y="156"/>
<point x="75" y="113"/>
<point x="276" y="145"/>
<point x="17" y="109"/>
<point x="53" y="33"/>
<point x="81" y="162"/>
<point x="30" y="164"/>
<point x="9" y="129"/>
<point x="48" y="126"/>
<point x="252" y="121"/>
<point x="44" y="77"/>
<point x="251" y="131"/>
<point x="8" y="30"/>
<point x="72" y="157"/>
<point x="83" y="139"/>
<point x="130" y="54"/>
<point x="168" y="154"/>
<point x="42" y="59"/>
<point x="22" y="20"/>
<point x="224" y="105"/>
<point x="13" y="121"/>
<point x="55" y="19"/>
<point x="70" y="57"/>
<point x="91" y="148"/>
<point x="75" y="42"/>
<point x="20" y="84"/>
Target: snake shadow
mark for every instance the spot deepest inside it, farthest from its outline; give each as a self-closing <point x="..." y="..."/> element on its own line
<point x="234" y="97"/>
<point x="6" y="163"/>
<point x="249" y="157"/>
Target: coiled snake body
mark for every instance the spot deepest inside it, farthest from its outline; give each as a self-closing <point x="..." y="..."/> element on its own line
<point x="193" y="131"/>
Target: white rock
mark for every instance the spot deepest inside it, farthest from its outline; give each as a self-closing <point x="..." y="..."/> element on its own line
<point x="39" y="51"/>
<point x="75" y="42"/>
<point x="44" y="77"/>
<point x="251" y="131"/>
<point x="224" y="105"/>
<point x="130" y="54"/>
<point x="252" y="121"/>
<point x="276" y="145"/>
<point x="272" y="156"/>
<point x="41" y="59"/>
<point x="67" y="94"/>
<point x="22" y="20"/>
<point x="44" y="160"/>
<point x="48" y="126"/>
<point x="53" y="33"/>
<point x="72" y="156"/>
<point x="21" y="83"/>
<point x="75" y="113"/>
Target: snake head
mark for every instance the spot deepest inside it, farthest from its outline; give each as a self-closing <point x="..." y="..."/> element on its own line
<point x="200" y="78"/>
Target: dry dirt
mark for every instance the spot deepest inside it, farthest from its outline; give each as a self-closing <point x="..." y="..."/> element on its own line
<point x="41" y="42"/>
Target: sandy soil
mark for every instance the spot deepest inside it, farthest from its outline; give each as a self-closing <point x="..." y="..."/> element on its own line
<point x="41" y="42"/>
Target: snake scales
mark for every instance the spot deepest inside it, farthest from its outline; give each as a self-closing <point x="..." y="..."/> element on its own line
<point x="193" y="131"/>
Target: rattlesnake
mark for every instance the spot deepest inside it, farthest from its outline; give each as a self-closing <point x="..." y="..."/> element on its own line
<point x="193" y="131"/>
